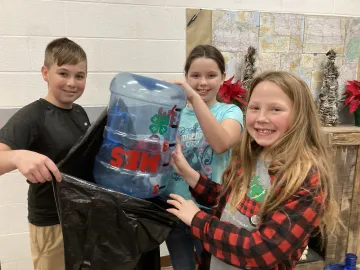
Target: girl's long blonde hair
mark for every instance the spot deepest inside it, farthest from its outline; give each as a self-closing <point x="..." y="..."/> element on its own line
<point x="301" y="148"/>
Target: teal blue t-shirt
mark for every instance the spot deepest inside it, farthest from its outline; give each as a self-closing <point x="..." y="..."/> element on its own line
<point x="197" y="150"/>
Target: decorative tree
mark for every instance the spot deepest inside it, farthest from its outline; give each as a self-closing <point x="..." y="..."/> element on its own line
<point x="328" y="105"/>
<point x="250" y="69"/>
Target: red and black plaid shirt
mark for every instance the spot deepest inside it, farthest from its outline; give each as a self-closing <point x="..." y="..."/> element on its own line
<point x="278" y="241"/>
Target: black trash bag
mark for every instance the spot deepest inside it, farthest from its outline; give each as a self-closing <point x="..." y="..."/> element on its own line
<point x="105" y="229"/>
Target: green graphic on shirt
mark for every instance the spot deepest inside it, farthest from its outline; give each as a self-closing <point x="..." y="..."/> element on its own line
<point x="257" y="191"/>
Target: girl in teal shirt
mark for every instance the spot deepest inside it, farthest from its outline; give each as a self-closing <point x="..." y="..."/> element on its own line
<point x="208" y="129"/>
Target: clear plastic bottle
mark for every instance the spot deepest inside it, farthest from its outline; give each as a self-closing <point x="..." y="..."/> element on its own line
<point x="140" y="135"/>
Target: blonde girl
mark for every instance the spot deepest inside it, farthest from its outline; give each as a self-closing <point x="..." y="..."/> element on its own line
<point x="277" y="189"/>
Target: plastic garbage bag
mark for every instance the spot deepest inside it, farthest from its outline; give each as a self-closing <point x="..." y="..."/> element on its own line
<point x="105" y="229"/>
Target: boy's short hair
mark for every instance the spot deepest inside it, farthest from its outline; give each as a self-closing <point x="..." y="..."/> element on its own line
<point x="63" y="51"/>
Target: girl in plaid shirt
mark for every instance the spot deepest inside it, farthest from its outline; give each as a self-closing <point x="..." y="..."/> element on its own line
<point x="277" y="189"/>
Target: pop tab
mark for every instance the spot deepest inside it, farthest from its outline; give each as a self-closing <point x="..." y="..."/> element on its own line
<point x="140" y="135"/>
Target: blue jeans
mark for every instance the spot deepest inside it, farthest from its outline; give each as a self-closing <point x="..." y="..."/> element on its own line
<point x="180" y="243"/>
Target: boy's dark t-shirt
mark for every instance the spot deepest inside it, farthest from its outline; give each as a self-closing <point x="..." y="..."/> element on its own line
<point x="49" y="130"/>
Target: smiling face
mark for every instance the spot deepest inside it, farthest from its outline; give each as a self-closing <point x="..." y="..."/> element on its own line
<point x="268" y="114"/>
<point x="66" y="83"/>
<point x="205" y="77"/>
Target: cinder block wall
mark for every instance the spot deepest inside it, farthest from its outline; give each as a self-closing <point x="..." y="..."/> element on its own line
<point x="142" y="36"/>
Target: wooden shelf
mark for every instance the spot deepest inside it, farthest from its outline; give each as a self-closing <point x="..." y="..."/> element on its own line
<point x="342" y="129"/>
<point x="343" y="135"/>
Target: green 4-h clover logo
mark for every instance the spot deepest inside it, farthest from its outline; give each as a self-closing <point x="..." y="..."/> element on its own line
<point x="159" y="124"/>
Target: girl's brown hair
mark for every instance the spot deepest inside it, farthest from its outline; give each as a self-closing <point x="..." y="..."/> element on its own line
<point x="206" y="51"/>
<point x="302" y="148"/>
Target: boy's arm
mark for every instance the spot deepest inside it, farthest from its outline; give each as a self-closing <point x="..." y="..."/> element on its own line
<point x="34" y="166"/>
<point x="6" y="159"/>
<point x="17" y="135"/>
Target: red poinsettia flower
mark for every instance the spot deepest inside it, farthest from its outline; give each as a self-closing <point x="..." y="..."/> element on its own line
<point x="230" y="91"/>
<point x="352" y="94"/>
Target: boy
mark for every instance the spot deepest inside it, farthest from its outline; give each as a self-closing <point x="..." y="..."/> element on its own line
<point x="38" y="136"/>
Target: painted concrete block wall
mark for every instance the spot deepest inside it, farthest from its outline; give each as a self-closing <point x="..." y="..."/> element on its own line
<point x="142" y="36"/>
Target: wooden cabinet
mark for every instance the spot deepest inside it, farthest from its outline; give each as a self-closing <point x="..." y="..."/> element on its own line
<point x="345" y="144"/>
<point x="345" y="141"/>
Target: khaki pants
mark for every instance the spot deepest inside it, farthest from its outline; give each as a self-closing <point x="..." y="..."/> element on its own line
<point x="47" y="247"/>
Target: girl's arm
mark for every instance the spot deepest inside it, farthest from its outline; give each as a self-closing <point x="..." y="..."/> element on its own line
<point x="281" y="233"/>
<point x="204" y="191"/>
<point x="221" y="136"/>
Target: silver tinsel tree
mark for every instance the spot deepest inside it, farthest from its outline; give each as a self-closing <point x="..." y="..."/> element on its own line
<point x="249" y="70"/>
<point x="328" y="105"/>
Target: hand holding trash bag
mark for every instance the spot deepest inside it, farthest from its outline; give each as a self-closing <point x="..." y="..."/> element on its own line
<point x="185" y="210"/>
<point x="35" y="167"/>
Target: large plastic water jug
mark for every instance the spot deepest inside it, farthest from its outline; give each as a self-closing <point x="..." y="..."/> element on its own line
<point x="140" y="135"/>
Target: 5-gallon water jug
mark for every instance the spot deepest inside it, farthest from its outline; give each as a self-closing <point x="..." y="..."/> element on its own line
<point x="140" y="135"/>
<point x="350" y="263"/>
